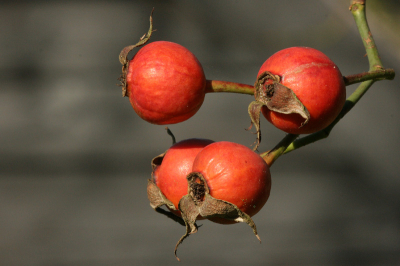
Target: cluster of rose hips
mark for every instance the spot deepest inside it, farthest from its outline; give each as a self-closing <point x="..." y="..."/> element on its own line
<point x="299" y="90"/>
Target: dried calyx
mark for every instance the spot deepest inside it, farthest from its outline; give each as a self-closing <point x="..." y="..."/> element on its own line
<point x="156" y="197"/>
<point x="269" y="92"/>
<point x="198" y="202"/>
<point x="123" y="56"/>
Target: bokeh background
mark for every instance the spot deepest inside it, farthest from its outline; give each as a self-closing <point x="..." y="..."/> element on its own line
<point x="75" y="158"/>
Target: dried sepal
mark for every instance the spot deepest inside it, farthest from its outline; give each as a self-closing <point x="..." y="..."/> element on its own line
<point x="269" y="92"/>
<point x="254" y="110"/>
<point x="213" y="207"/>
<point x="189" y="212"/>
<point x="277" y="97"/>
<point x="156" y="197"/>
<point x="156" y="161"/>
<point x="198" y="201"/>
<point x="123" y="56"/>
<point x="157" y="200"/>
<point x="284" y="101"/>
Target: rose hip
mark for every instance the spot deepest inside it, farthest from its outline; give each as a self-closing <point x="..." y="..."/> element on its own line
<point x="236" y="174"/>
<point x="165" y="83"/>
<point x="170" y="176"/>
<point x="317" y="83"/>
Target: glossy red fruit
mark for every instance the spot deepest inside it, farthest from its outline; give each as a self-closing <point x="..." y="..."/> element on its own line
<point x="236" y="174"/>
<point x="165" y="83"/>
<point x="170" y="176"/>
<point x="317" y="83"/>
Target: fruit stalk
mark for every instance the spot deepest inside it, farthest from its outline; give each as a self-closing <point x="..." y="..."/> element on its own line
<point x="226" y="86"/>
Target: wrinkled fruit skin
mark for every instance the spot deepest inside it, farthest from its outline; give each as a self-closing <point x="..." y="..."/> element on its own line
<point x="236" y="174"/>
<point x="315" y="80"/>
<point x="165" y="83"/>
<point x="170" y="176"/>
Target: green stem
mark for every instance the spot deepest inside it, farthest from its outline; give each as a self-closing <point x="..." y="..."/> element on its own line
<point x="271" y="156"/>
<point x="226" y="86"/>
<point x="357" y="8"/>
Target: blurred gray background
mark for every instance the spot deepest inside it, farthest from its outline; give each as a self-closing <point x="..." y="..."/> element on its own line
<point x="75" y="158"/>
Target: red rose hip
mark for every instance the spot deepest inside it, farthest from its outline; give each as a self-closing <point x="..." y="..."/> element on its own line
<point x="317" y="83"/>
<point x="236" y="174"/>
<point x="165" y="83"/>
<point x="170" y="176"/>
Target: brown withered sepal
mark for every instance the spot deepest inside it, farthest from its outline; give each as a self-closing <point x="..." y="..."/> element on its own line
<point x="123" y="56"/>
<point x="269" y="92"/>
<point x="199" y="202"/>
<point x="156" y="197"/>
